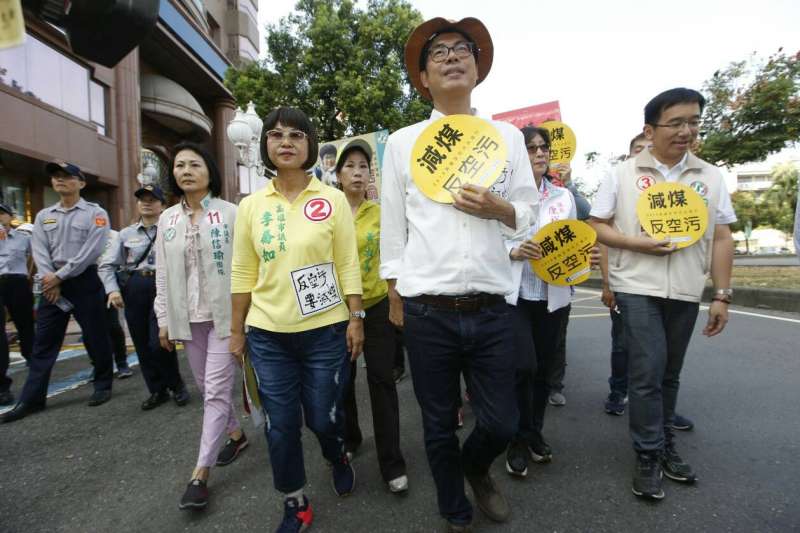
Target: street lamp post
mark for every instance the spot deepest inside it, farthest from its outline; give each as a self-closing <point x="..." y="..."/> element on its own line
<point x="244" y="131"/>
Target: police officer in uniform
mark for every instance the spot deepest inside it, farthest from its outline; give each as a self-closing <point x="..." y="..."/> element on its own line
<point x="128" y="275"/>
<point x="15" y="294"/>
<point x="68" y="238"/>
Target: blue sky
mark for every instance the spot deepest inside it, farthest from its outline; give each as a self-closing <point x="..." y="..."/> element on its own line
<point x="604" y="60"/>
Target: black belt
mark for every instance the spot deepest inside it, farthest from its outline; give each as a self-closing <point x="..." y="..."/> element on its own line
<point x="12" y="276"/>
<point x="145" y="273"/>
<point x="469" y="302"/>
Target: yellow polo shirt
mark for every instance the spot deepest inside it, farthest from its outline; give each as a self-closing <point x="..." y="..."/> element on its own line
<point x="298" y="259"/>
<point x="368" y="235"/>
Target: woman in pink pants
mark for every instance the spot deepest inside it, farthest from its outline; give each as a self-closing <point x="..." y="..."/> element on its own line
<point x="193" y="304"/>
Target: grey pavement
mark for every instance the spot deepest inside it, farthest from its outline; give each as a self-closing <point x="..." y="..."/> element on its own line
<point x="766" y="260"/>
<point x="115" y="468"/>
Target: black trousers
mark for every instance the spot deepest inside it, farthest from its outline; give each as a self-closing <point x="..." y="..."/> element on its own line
<point x="159" y="367"/>
<point x="85" y="292"/>
<point x="116" y="336"/>
<point x="555" y="379"/>
<point x="16" y="296"/>
<point x="538" y="334"/>
<point x="379" y="352"/>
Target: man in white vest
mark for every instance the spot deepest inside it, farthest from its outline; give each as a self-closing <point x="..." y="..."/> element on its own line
<point x="658" y="287"/>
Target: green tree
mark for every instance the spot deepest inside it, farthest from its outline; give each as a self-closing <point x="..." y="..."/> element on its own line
<point x="342" y="65"/>
<point x="781" y="198"/>
<point x="753" y="109"/>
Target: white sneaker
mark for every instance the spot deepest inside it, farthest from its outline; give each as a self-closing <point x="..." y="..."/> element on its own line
<point x="399" y="484"/>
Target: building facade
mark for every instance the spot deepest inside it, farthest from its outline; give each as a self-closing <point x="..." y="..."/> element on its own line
<point x="121" y="122"/>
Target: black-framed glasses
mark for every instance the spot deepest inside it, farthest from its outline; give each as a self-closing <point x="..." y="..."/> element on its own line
<point x="533" y="148"/>
<point x="440" y="52"/>
<point x="294" y="136"/>
<point x="679" y="123"/>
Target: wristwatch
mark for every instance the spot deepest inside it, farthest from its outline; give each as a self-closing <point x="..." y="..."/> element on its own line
<point x="723" y="295"/>
<point x="358" y="314"/>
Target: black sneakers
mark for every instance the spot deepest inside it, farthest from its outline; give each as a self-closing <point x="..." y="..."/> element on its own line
<point x="155" y="399"/>
<point x="517" y="458"/>
<point x="647" y="476"/>
<point x="539" y="449"/>
<point x="196" y="495"/>
<point x="296" y="517"/>
<point x="675" y="467"/>
<point x="231" y="450"/>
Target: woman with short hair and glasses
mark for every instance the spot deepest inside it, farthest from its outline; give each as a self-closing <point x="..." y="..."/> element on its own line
<point x="194" y="241"/>
<point x="297" y="288"/>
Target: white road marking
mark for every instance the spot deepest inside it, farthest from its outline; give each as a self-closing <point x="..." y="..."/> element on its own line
<point x="704" y="308"/>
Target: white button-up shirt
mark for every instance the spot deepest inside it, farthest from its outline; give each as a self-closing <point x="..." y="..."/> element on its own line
<point x="432" y="248"/>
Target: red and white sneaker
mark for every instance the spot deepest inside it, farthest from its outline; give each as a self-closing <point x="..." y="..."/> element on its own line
<point x="296" y="517"/>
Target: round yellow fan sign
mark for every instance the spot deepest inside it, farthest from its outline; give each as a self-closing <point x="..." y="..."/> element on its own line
<point x="672" y="211"/>
<point x="456" y="150"/>
<point x="566" y="247"/>
<point x="562" y="142"/>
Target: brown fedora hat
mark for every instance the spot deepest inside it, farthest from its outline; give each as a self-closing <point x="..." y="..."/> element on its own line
<point x="430" y="29"/>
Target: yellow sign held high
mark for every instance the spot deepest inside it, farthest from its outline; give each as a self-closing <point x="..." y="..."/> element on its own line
<point x="456" y="150"/>
<point x="566" y="248"/>
<point x="12" y="24"/>
<point x="672" y="211"/>
<point x="562" y="142"/>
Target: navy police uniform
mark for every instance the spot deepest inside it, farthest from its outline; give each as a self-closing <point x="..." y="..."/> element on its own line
<point x="133" y="260"/>
<point x="15" y="295"/>
<point x="68" y="242"/>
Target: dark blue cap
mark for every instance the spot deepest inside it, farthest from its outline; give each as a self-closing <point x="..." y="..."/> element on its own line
<point x="69" y="168"/>
<point x="155" y="190"/>
<point x="7" y="209"/>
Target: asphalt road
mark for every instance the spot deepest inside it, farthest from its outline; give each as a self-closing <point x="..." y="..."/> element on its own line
<point x="118" y="469"/>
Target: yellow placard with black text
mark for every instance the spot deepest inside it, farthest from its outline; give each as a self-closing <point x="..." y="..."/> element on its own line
<point x="12" y="23"/>
<point x="672" y="211"/>
<point x="562" y="142"/>
<point x="566" y="247"/>
<point x="454" y="151"/>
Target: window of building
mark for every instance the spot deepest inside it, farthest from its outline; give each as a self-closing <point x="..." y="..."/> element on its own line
<point x="44" y="73"/>
<point x="213" y="30"/>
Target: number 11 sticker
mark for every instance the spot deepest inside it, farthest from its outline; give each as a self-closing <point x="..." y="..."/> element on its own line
<point x="214" y="217"/>
<point x="317" y="209"/>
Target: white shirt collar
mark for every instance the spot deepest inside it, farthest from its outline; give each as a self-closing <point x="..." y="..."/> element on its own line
<point x="679" y="166"/>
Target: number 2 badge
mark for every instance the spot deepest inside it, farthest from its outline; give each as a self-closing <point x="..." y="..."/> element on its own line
<point x="317" y="209"/>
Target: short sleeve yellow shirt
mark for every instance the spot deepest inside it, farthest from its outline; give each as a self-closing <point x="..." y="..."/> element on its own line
<point x="297" y="259"/>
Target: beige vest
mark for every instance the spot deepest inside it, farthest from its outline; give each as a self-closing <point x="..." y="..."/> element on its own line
<point x="680" y="275"/>
<point x="218" y="219"/>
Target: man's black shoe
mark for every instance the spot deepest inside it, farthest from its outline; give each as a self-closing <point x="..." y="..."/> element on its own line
<point x="676" y="468"/>
<point x="20" y="411"/>
<point x="682" y="423"/>
<point x="181" y="396"/>
<point x="6" y="398"/>
<point x="489" y="500"/>
<point x="540" y="450"/>
<point x="647" y="476"/>
<point x="517" y="458"/>
<point x="155" y="399"/>
<point x="99" y="397"/>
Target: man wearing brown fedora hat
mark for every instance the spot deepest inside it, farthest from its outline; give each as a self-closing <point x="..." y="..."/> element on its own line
<point x="449" y="270"/>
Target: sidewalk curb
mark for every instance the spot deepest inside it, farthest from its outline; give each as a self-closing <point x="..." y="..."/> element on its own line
<point x="772" y="299"/>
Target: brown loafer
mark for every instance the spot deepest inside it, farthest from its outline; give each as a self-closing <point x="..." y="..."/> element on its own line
<point x="489" y="500"/>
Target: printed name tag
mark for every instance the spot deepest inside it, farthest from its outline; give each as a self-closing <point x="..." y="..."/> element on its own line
<point x="315" y="288"/>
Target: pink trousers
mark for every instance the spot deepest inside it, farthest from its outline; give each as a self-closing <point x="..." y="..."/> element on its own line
<point x="214" y="370"/>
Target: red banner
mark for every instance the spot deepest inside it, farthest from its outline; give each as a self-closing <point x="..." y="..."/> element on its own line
<point x="531" y="116"/>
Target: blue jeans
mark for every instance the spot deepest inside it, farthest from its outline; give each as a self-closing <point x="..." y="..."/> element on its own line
<point x="657" y="333"/>
<point x="618" y="382"/>
<point x="306" y="370"/>
<point x="441" y="345"/>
